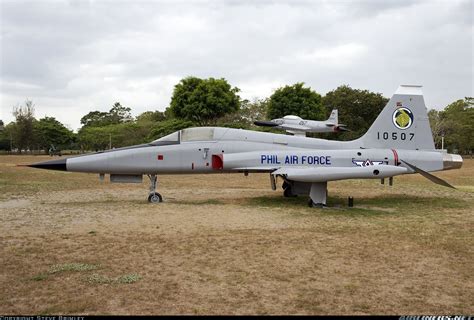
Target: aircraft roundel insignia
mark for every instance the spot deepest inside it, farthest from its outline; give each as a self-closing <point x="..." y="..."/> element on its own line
<point x="402" y="118"/>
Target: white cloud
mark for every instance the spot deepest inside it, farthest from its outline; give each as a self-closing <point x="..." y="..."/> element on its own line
<point x="339" y="56"/>
<point x="74" y="57"/>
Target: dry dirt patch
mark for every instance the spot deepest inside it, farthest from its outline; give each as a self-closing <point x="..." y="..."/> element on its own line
<point x="228" y="244"/>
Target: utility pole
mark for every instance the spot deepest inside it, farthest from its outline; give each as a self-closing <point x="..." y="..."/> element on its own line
<point x="110" y="141"/>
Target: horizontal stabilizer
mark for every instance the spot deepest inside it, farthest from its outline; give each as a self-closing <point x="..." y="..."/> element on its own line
<point x="338" y="127"/>
<point x="342" y="127"/>
<point x="429" y="176"/>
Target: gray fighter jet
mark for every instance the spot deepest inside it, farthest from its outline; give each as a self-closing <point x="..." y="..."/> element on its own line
<point x="398" y="142"/>
<point x="298" y="127"/>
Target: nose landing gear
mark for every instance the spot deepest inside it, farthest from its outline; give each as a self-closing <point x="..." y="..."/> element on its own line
<point x="154" y="197"/>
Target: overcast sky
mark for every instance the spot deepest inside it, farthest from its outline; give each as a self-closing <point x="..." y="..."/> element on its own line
<point x="72" y="57"/>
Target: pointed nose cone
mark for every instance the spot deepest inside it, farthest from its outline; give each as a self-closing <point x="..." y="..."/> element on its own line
<point x="265" y="124"/>
<point x="51" y="165"/>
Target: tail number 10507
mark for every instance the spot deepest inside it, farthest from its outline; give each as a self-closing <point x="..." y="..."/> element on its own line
<point x="395" y="136"/>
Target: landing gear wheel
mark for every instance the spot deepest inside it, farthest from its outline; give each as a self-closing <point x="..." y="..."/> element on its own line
<point x="155" y="197"/>
<point x="311" y="204"/>
<point x="287" y="193"/>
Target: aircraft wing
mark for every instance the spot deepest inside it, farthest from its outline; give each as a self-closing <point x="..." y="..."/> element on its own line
<point x="255" y="169"/>
<point x="323" y="174"/>
<point x="295" y="127"/>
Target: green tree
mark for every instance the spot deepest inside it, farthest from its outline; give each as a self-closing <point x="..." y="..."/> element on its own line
<point x="244" y="118"/>
<point x="95" y="119"/>
<point x="357" y="109"/>
<point x="436" y="125"/>
<point x="117" y="114"/>
<point x="254" y="110"/>
<point x="456" y="124"/>
<point x="203" y="100"/>
<point x="6" y="137"/>
<point x="296" y="100"/>
<point x="22" y="131"/>
<point x="49" y="131"/>
<point x="94" y="138"/>
<point x="151" y="116"/>
<point x="166" y="127"/>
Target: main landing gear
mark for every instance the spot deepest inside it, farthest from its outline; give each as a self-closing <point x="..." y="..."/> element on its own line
<point x="287" y="190"/>
<point x="154" y="197"/>
<point x="318" y="195"/>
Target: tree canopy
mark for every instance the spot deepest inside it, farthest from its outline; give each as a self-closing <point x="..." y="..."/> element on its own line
<point x="22" y="129"/>
<point x="296" y="100"/>
<point x="357" y="109"/>
<point x="49" y="131"/>
<point x="117" y="114"/>
<point x="151" y="116"/>
<point x="198" y="102"/>
<point x="456" y="124"/>
<point x="203" y="100"/>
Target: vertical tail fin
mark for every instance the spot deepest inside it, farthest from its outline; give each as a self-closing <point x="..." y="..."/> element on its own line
<point x="402" y="124"/>
<point x="333" y="116"/>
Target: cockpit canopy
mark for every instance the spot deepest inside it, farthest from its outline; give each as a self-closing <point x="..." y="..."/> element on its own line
<point x="290" y="117"/>
<point x="185" y="135"/>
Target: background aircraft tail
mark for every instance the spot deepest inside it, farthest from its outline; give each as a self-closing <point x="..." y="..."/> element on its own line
<point x="402" y="124"/>
<point x="333" y="117"/>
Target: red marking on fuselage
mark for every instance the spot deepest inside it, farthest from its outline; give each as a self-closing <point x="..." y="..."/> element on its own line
<point x="217" y="162"/>
<point x="395" y="157"/>
<point x="160" y="157"/>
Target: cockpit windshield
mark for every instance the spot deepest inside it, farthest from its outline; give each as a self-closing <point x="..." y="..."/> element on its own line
<point x="197" y="134"/>
<point x="166" y="140"/>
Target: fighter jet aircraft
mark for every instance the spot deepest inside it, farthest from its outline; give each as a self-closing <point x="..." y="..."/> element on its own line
<point x="398" y="142"/>
<point x="298" y="127"/>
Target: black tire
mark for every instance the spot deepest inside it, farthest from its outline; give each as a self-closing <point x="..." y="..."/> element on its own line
<point x="311" y="204"/>
<point x="287" y="193"/>
<point x="155" y="197"/>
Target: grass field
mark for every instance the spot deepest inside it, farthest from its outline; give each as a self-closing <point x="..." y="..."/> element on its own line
<point x="228" y="244"/>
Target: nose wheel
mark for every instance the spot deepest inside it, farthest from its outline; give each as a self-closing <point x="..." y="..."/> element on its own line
<point x="154" y="197"/>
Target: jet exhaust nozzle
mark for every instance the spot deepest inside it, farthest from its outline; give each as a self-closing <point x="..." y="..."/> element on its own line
<point x="451" y="161"/>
